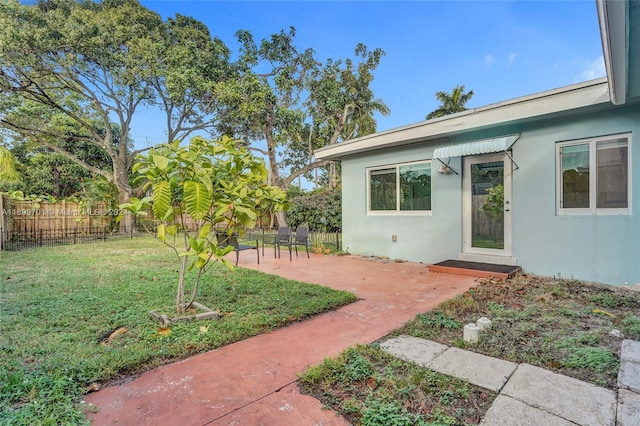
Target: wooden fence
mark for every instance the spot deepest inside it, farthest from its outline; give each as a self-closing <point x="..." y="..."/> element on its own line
<point x="22" y="221"/>
<point x="485" y="224"/>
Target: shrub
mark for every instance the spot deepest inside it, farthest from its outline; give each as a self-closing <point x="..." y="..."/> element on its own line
<point x="321" y="211"/>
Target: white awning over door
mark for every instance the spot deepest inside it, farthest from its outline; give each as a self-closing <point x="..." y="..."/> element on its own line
<point x="486" y="146"/>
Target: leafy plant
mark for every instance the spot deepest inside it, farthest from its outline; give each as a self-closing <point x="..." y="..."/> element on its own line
<point x="494" y="204"/>
<point x="196" y="189"/>
<point x="389" y="413"/>
<point x="321" y="211"/>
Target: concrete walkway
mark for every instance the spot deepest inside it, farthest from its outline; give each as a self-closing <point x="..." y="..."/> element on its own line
<point x="252" y="382"/>
<point x="532" y="396"/>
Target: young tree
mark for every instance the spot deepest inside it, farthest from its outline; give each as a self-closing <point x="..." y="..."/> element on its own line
<point x="451" y="102"/>
<point x="197" y="189"/>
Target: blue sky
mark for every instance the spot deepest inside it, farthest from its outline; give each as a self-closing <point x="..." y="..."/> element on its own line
<point x="499" y="49"/>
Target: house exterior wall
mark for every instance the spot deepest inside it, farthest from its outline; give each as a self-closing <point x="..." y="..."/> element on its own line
<point x="596" y="248"/>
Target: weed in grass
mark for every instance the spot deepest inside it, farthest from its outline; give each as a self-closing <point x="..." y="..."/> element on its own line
<point x="496" y="309"/>
<point x="631" y="326"/>
<point x="351" y="406"/>
<point x="597" y="360"/>
<point x="613" y="300"/>
<point x="388" y="413"/>
<point x="357" y="366"/>
<point x="438" y="319"/>
<point x="458" y="305"/>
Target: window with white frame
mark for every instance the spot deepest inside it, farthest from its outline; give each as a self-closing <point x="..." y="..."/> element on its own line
<point x="400" y="188"/>
<point x="594" y="176"/>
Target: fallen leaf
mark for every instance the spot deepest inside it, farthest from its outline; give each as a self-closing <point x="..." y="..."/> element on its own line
<point x="204" y="328"/>
<point x="600" y="311"/>
<point x="93" y="387"/>
<point x="118" y="332"/>
<point x="371" y="382"/>
<point x="164" y="331"/>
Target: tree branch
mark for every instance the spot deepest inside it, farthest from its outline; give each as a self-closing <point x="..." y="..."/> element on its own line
<point x="316" y="164"/>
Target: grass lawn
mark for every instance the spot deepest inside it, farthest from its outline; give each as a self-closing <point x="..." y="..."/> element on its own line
<point x="561" y="325"/>
<point x="60" y="307"/>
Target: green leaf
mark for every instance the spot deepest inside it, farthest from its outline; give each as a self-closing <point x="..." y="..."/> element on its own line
<point x="161" y="198"/>
<point x="193" y="243"/>
<point x="197" y="199"/>
<point x="250" y="214"/>
<point x="172" y="229"/>
<point x="160" y="161"/>
<point x="204" y="230"/>
<point x="161" y="230"/>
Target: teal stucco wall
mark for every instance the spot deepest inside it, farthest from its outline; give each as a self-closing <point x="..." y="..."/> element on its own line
<point x="596" y="248"/>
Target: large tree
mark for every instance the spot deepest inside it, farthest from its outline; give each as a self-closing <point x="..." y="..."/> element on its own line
<point x="451" y="102"/>
<point x="71" y="71"/>
<point x="295" y="104"/>
<point x="341" y="106"/>
<point x="188" y="70"/>
<point x="68" y="70"/>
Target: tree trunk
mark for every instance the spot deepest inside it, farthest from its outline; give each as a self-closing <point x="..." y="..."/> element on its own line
<point x="180" y="308"/>
<point x="121" y="181"/>
<point x="274" y="174"/>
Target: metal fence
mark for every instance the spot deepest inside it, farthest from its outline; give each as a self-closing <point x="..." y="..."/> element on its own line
<point x="27" y="239"/>
<point x="20" y="240"/>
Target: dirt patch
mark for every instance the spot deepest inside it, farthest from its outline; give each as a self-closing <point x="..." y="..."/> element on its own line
<point x="571" y="327"/>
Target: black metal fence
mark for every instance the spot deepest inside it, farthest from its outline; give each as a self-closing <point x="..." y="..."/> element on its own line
<point x="14" y="241"/>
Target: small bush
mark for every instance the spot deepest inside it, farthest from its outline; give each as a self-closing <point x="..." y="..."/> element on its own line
<point x="321" y="211"/>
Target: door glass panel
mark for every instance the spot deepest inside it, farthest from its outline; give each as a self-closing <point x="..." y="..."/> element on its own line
<point x="487" y="207"/>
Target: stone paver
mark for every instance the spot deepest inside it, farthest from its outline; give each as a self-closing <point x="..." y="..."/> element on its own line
<point x="413" y="349"/>
<point x="572" y="399"/>
<point x="629" y="376"/>
<point x="630" y="351"/>
<point x="628" y="408"/>
<point x="506" y="411"/>
<point x="481" y="370"/>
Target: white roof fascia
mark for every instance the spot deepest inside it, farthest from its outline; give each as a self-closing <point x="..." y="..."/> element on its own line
<point x="612" y="17"/>
<point x="590" y="93"/>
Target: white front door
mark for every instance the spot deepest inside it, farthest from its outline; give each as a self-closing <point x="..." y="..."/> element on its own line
<point x="487" y="206"/>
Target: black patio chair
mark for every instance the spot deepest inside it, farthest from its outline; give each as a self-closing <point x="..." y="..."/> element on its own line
<point x="283" y="237"/>
<point x="225" y="239"/>
<point x="301" y="239"/>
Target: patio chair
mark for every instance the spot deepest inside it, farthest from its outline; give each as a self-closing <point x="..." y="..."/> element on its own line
<point x="225" y="239"/>
<point x="283" y="237"/>
<point x="301" y="239"/>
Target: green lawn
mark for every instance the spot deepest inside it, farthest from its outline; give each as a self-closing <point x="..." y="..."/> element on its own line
<point x="58" y="307"/>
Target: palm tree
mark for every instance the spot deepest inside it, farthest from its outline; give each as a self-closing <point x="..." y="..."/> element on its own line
<point x="8" y="166"/>
<point x="451" y="103"/>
